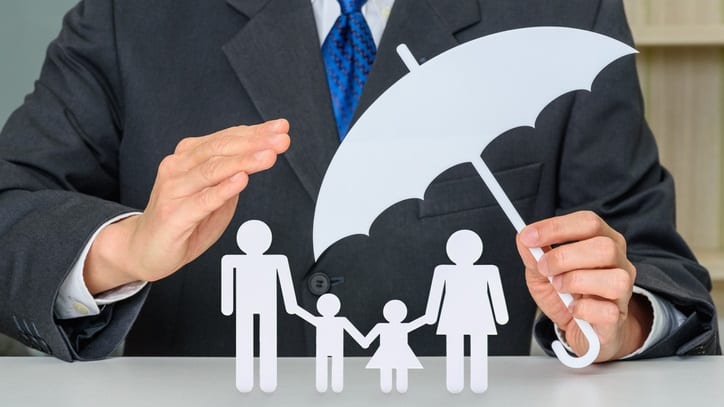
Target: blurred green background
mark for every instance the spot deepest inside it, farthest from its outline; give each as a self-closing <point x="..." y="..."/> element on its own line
<point x="26" y="28"/>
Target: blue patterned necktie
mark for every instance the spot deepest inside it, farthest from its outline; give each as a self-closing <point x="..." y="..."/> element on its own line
<point x="348" y="51"/>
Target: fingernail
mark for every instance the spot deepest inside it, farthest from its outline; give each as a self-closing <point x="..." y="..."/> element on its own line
<point x="557" y="283"/>
<point x="529" y="236"/>
<point x="570" y="306"/>
<point x="543" y="266"/>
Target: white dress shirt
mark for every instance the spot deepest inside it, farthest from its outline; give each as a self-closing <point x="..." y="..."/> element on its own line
<point x="74" y="300"/>
<point x="376" y="13"/>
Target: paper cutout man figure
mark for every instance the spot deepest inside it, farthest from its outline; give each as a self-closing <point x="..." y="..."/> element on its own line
<point x="466" y="309"/>
<point x="330" y="341"/>
<point x="256" y="294"/>
<point x="394" y="352"/>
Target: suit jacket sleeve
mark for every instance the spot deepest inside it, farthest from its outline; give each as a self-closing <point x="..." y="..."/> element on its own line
<point x="58" y="181"/>
<point x="609" y="163"/>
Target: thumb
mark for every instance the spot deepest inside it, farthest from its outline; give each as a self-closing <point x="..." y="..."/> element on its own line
<point x="575" y="338"/>
<point x="524" y="252"/>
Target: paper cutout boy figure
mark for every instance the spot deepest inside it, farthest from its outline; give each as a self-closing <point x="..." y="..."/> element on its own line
<point x="394" y="352"/>
<point x="466" y="309"/>
<point x="330" y="341"/>
<point x="256" y="294"/>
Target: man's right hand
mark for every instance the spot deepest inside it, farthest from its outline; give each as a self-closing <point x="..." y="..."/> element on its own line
<point x="192" y="202"/>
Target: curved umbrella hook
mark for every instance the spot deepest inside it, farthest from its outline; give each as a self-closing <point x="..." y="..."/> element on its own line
<point x="594" y="347"/>
<point x="594" y="344"/>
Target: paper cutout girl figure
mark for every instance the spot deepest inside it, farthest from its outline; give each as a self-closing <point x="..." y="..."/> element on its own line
<point x="466" y="309"/>
<point x="394" y="352"/>
<point x="256" y="294"/>
<point x="330" y="341"/>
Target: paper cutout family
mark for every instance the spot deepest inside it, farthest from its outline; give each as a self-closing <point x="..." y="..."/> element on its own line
<point x="456" y="288"/>
<point x="478" y="91"/>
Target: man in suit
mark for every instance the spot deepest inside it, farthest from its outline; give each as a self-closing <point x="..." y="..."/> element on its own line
<point x="105" y="185"/>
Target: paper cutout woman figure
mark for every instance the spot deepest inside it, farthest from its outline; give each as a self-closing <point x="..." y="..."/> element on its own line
<point x="330" y="341"/>
<point x="256" y="294"/>
<point x="394" y="352"/>
<point x="466" y="309"/>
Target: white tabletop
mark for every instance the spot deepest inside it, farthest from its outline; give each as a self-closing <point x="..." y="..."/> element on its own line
<point x="524" y="381"/>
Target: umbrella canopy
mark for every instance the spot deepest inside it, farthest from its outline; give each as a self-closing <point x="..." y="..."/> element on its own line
<point x="445" y="113"/>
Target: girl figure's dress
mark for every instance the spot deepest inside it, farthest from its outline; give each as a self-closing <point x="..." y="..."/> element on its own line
<point x="394" y="352"/>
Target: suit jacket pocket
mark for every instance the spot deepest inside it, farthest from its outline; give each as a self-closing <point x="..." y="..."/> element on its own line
<point x="467" y="191"/>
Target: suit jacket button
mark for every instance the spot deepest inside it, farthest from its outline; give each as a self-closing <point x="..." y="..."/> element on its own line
<point x="319" y="283"/>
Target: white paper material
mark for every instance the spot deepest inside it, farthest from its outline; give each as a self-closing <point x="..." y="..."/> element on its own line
<point x="441" y="114"/>
<point x="445" y="113"/>
<point x="330" y="341"/>
<point x="256" y="275"/>
<point x="465" y="309"/>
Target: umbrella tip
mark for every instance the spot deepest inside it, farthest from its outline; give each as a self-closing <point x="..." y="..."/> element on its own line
<point x="407" y="58"/>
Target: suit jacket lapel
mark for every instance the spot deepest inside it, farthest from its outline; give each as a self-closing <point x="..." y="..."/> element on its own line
<point x="277" y="58"/>
<point x="427" y="27"/>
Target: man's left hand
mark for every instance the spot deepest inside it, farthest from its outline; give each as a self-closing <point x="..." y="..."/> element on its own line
<point x="589" y="262"/>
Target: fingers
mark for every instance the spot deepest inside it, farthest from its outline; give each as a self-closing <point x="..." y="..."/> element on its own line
<point x="614" y="284"/>
<point x="590" y="263"/>
<point x="606" y="320"/>
<point x="596" y="252"/>
<point x="524" y="251"/>
<point x="608" y="338"/>
<point x="218" y="169"/>
<point x="568" y="228"/>
<point x="198" y="207"/>
<point x="547" y="298"/>
<point x="597" y="312"/>
<point x="280" y="126"/>
<point x="204" y="162"/>
<point x="596" y="265"/>
<point x="234" y="145"/>
<point x="237" y="141"/>
<point x="196" y="193"/>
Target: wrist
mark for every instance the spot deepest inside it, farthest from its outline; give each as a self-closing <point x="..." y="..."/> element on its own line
<point x="108" y="264"/>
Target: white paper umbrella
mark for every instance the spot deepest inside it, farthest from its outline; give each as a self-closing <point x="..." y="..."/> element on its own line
<point x="477" y="91"/>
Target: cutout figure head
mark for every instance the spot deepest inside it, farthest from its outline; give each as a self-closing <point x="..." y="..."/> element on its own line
<point x="464" y="247"/>
<point x="254" y="237"/>
<point x="328" y="305"/>
<point x="395" y="311"/>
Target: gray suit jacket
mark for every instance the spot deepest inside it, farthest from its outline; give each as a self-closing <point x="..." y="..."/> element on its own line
<point x="126" y="80"/>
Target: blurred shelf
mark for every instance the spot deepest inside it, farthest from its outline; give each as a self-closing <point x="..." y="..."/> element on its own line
<point x="713" y="260"/>
<point x="679" y="36"/>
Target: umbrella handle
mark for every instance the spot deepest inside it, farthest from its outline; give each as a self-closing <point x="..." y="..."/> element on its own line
<point x="407" y="58"/>
<point x="594" y="344"/>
